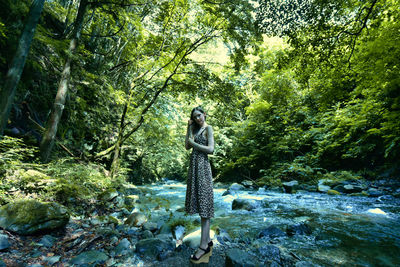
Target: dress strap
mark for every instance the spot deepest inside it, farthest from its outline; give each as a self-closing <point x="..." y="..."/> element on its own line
<point x="201" y="131"/>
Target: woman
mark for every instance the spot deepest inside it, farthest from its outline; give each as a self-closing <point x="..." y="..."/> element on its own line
<point x="199" y="192"/>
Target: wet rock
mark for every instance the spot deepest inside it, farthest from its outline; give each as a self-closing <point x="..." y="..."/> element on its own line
<point x="298" y="229"/>
<point x="223" y="236"/>
<point x="304" y="264"/>
<point x="227" y="192"/>
<point x="247" y="183"/>
<point x="179" y="231"/>
<point x="271" y="232"/>
<point x="151" y="226"/>
<point x="373" y="192"/>
<point x="130" y="189"/>
<point x="47" y="241"/>
<point x="270" y="253"/>
<point x="323" y="188"/>
<point x="94" y="257"/>
<point x="243" y="204"/>
<point x="291" y="186"/>
<point x="122" y="248"/>
<point x="236" y="187"/>
<point x="236" y="257"/>
<point x="136" y="219"/>
<point x="219" y="185"/>
<point x="30" y="216"/>
<point x="108" y="195"/>
<point x="152" y="247"/>
<point x="4" y="244"/>
<point x="146" y="234"/>
<point x="333" y="192"/>
<point x="349" y="188"/>
<point x="52" y="260"/>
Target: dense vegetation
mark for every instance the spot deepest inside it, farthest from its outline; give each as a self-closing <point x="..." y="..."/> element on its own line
<point x="294" y="90"/>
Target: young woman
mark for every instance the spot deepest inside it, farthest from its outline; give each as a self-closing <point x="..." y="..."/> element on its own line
<point x="199" y="192"/>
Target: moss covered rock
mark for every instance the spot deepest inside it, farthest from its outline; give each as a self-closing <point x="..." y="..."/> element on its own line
<point x="30" y="216"/>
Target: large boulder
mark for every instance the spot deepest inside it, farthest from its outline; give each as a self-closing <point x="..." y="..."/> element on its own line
<point x="30" y="216"/>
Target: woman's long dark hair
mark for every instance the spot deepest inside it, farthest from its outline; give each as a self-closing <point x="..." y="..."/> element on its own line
<point x="196" y="127"/>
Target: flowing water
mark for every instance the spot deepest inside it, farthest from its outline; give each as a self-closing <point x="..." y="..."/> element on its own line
<point x="346" y="230"/>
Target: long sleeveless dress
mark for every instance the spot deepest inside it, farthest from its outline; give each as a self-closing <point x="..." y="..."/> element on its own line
<point x="199" y="191"/>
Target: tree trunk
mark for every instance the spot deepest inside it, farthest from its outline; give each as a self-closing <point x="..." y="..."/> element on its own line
<point x="17" y="64"/>
<point x="117" y="149"/>
<point x="51" y="130"/>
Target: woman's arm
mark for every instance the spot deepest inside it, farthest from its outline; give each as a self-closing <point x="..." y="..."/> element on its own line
<point x="189" y="135"/>
<point x="209" y="149"/>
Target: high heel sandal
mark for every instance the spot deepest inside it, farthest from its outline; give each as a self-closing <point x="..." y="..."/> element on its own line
<point x="203" y="258"/>
<point x="210" y="245"/>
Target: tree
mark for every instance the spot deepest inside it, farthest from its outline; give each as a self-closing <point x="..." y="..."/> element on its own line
<point x="18" y="62"/>
<point x="47" y="142"/>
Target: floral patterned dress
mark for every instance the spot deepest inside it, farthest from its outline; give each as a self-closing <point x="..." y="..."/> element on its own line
<point x="199" y="191"/>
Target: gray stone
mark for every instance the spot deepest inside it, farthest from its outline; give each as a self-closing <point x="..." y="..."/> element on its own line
<point x="291" y="186"/>
<point x="4" y="244"/>
<point x="227" y="192"/>
<point x="89" y="257"/>
<point x="247" y="183"/>
<point x="243" y="204"/>
<point x="236" y="187"/>
<point x="52" y="260"/>
<point x="272" y="232"/>
<point x="30" y="216"/>
<point x="323" y="188"/>
<point x="151" y="226"/>
<point x="146" y="234"/>
<point x="270" y="253"/>
<point x="122" y="248"/>
<point x="152" y="247"/>
<point x="136" y="219"/>
<point x="108" y="195"/>
<point x="304" y="264"/>
<point x="298" y="229"/>
<point x="238" y="258"/>
<point x="47" y="241"/>
<point x="373" y="192"/>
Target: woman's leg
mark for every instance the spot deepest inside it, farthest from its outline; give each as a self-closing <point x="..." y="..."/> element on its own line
<point x="205" y="236"/>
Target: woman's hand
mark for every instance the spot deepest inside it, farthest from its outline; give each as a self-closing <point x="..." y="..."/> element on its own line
<point x="191" y="141"/>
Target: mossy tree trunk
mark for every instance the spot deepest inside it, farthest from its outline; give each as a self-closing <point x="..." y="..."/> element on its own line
<point x="18" y="62"/>
<point x="51" y="130"/>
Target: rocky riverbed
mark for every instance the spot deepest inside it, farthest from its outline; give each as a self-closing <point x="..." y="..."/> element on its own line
<point x="146" y="226"/>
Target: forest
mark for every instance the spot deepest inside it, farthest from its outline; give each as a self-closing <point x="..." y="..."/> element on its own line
<point x="96" y="95"/>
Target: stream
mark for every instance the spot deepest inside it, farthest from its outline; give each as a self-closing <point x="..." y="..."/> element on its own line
<point x="346" y="230"/>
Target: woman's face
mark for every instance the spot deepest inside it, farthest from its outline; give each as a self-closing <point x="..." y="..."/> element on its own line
<point x="199" y="117"/>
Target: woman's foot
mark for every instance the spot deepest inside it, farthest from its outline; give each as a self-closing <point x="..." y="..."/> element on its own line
<point x="201" y="256"/>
